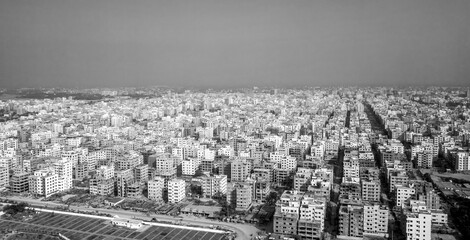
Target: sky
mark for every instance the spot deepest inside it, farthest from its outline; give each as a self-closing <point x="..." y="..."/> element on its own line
<point x="236" y="43"/>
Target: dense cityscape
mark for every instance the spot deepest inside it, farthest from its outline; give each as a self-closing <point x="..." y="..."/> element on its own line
<point x="251" y="163"/>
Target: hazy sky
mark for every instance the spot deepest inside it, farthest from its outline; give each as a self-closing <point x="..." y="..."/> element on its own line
<point x="221" y="43"/>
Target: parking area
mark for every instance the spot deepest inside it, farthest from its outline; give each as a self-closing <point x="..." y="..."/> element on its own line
<point x="78" y="228"/>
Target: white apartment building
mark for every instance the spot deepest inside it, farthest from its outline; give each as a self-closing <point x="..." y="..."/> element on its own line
<point x="352" y="171"/>
<point x="214" y="184"/>
<point x="240" y="170"/>
<point x="318" y="149"/>
<point x="403" y="193"/>
<point x="313" y="209"/>
<point x="4" y="176"/>
<point x="288" y="163"/>
<point x="176" y="190"/>
<point x="178" y="152"/>
<point x="462" y="160"/>
<point x="155" y="189"/>
<point x="189" y="166"/>
<point x="370" y="190"/>
<point x="164" y="162"/>
<point x="44" y="182"/>
<point x="63" y="168"/>
<point x="105" y="172"/>
<point x="418" y="225"/>
<point x="375" y="219"/>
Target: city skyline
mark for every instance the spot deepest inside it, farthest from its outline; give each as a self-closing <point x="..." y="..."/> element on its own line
<point x="225" y="44"/>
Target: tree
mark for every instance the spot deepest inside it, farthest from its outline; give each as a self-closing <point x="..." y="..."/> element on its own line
<point x="15" y="208"/>
<point x="195" y="190"/>
<point x="272" y="198"/>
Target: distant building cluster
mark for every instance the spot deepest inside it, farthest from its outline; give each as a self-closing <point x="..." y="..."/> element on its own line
<point x="352" y="154"/>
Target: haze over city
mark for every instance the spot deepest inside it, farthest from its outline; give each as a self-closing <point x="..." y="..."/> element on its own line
<point x="222" y="44"/>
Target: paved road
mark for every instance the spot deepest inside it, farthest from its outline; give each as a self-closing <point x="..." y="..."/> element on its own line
<point x="243" y="231"/>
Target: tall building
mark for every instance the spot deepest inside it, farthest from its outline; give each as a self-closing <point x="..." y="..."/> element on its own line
<point x="176" y="190"/>
<point x="101" y="186"/>
<point x="312" y="217"/>
<point x="214" y="184"/>
<point x="433" y="200"/>
<point x="244" y="196"/>
<point x="105" y="172"/>
<point x="123" y="178"/>
<point x="141" y="174"/>
<point x="375" y="219"/>
<point x="418" y="225"/>
<point x="44" y="182"/>
<point x="299" y="213"/>
<point x="189" y="166"/>
<point x="155" y="188"/>
<point x="240" y="170"/>
<point x="19" y="183"/>
<point x="371" y="190"/>
<point x="403" y="193"/>
<point x="4" y="176"/>
<point x="351" y="220"/>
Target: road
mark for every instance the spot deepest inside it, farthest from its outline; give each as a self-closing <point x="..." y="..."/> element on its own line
<point x="243" y="231"/>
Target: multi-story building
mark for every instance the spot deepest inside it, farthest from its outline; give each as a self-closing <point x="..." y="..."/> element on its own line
<point x="403" y="193"/>
<point x="351" y="220"/>
<point x="311" y="217"/>
<point x="285" y="223"/>
<point x="4" y="176"/>
<point x="189" y="166"/>
<point x="141" y="173"/>
<point x="287" y="213"/>
<point x="123" y="179"/>
<point x="244" y="196"/>
<point x="433" y="200"/>
<point x="351" y="187"/>
<point x="101" y="186"/>
<point x="156" y="188"/>
<point x="134" y="190"/>
<point x="44" y="182"/>
<point x="261" y="190"/>
<point x="424" y="159"/>
<point x="375" y="219"/>
<point x="370" y="190"/>
<point x="19" y="183"/>
<point x="302" y="179"/>
<point x="417" y="225"/>
<point x="214" y="184"/>
<point x="461" y="161"/>
<point x="176" y="190"/>
<point x="240" y="170"/>
<point x="105" y="172"/>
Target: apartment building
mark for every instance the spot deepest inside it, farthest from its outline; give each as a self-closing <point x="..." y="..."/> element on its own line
<point x="101" y="186"/>
<point x="370" y="190"/>
<point x="176" y="190"/>
<point x="244" y="196"/>
<point x="156" y="188"/>
<point x="240" y="169"/>
<point x="351" y="220"/>
<point x="4" y="176"/>
<point x="141" y="173"/>
<point x="214" y="184"/>
<point x="375" y="219"/>
<point x="418" y="225"/>
<point x="403" y="193"/>
<point x="19" y="182"/>
<point x="44" y="182"/>
<point x="105" y="172"/>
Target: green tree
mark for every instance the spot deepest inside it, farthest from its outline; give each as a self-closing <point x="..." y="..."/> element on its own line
<point x="272" y="198"/>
